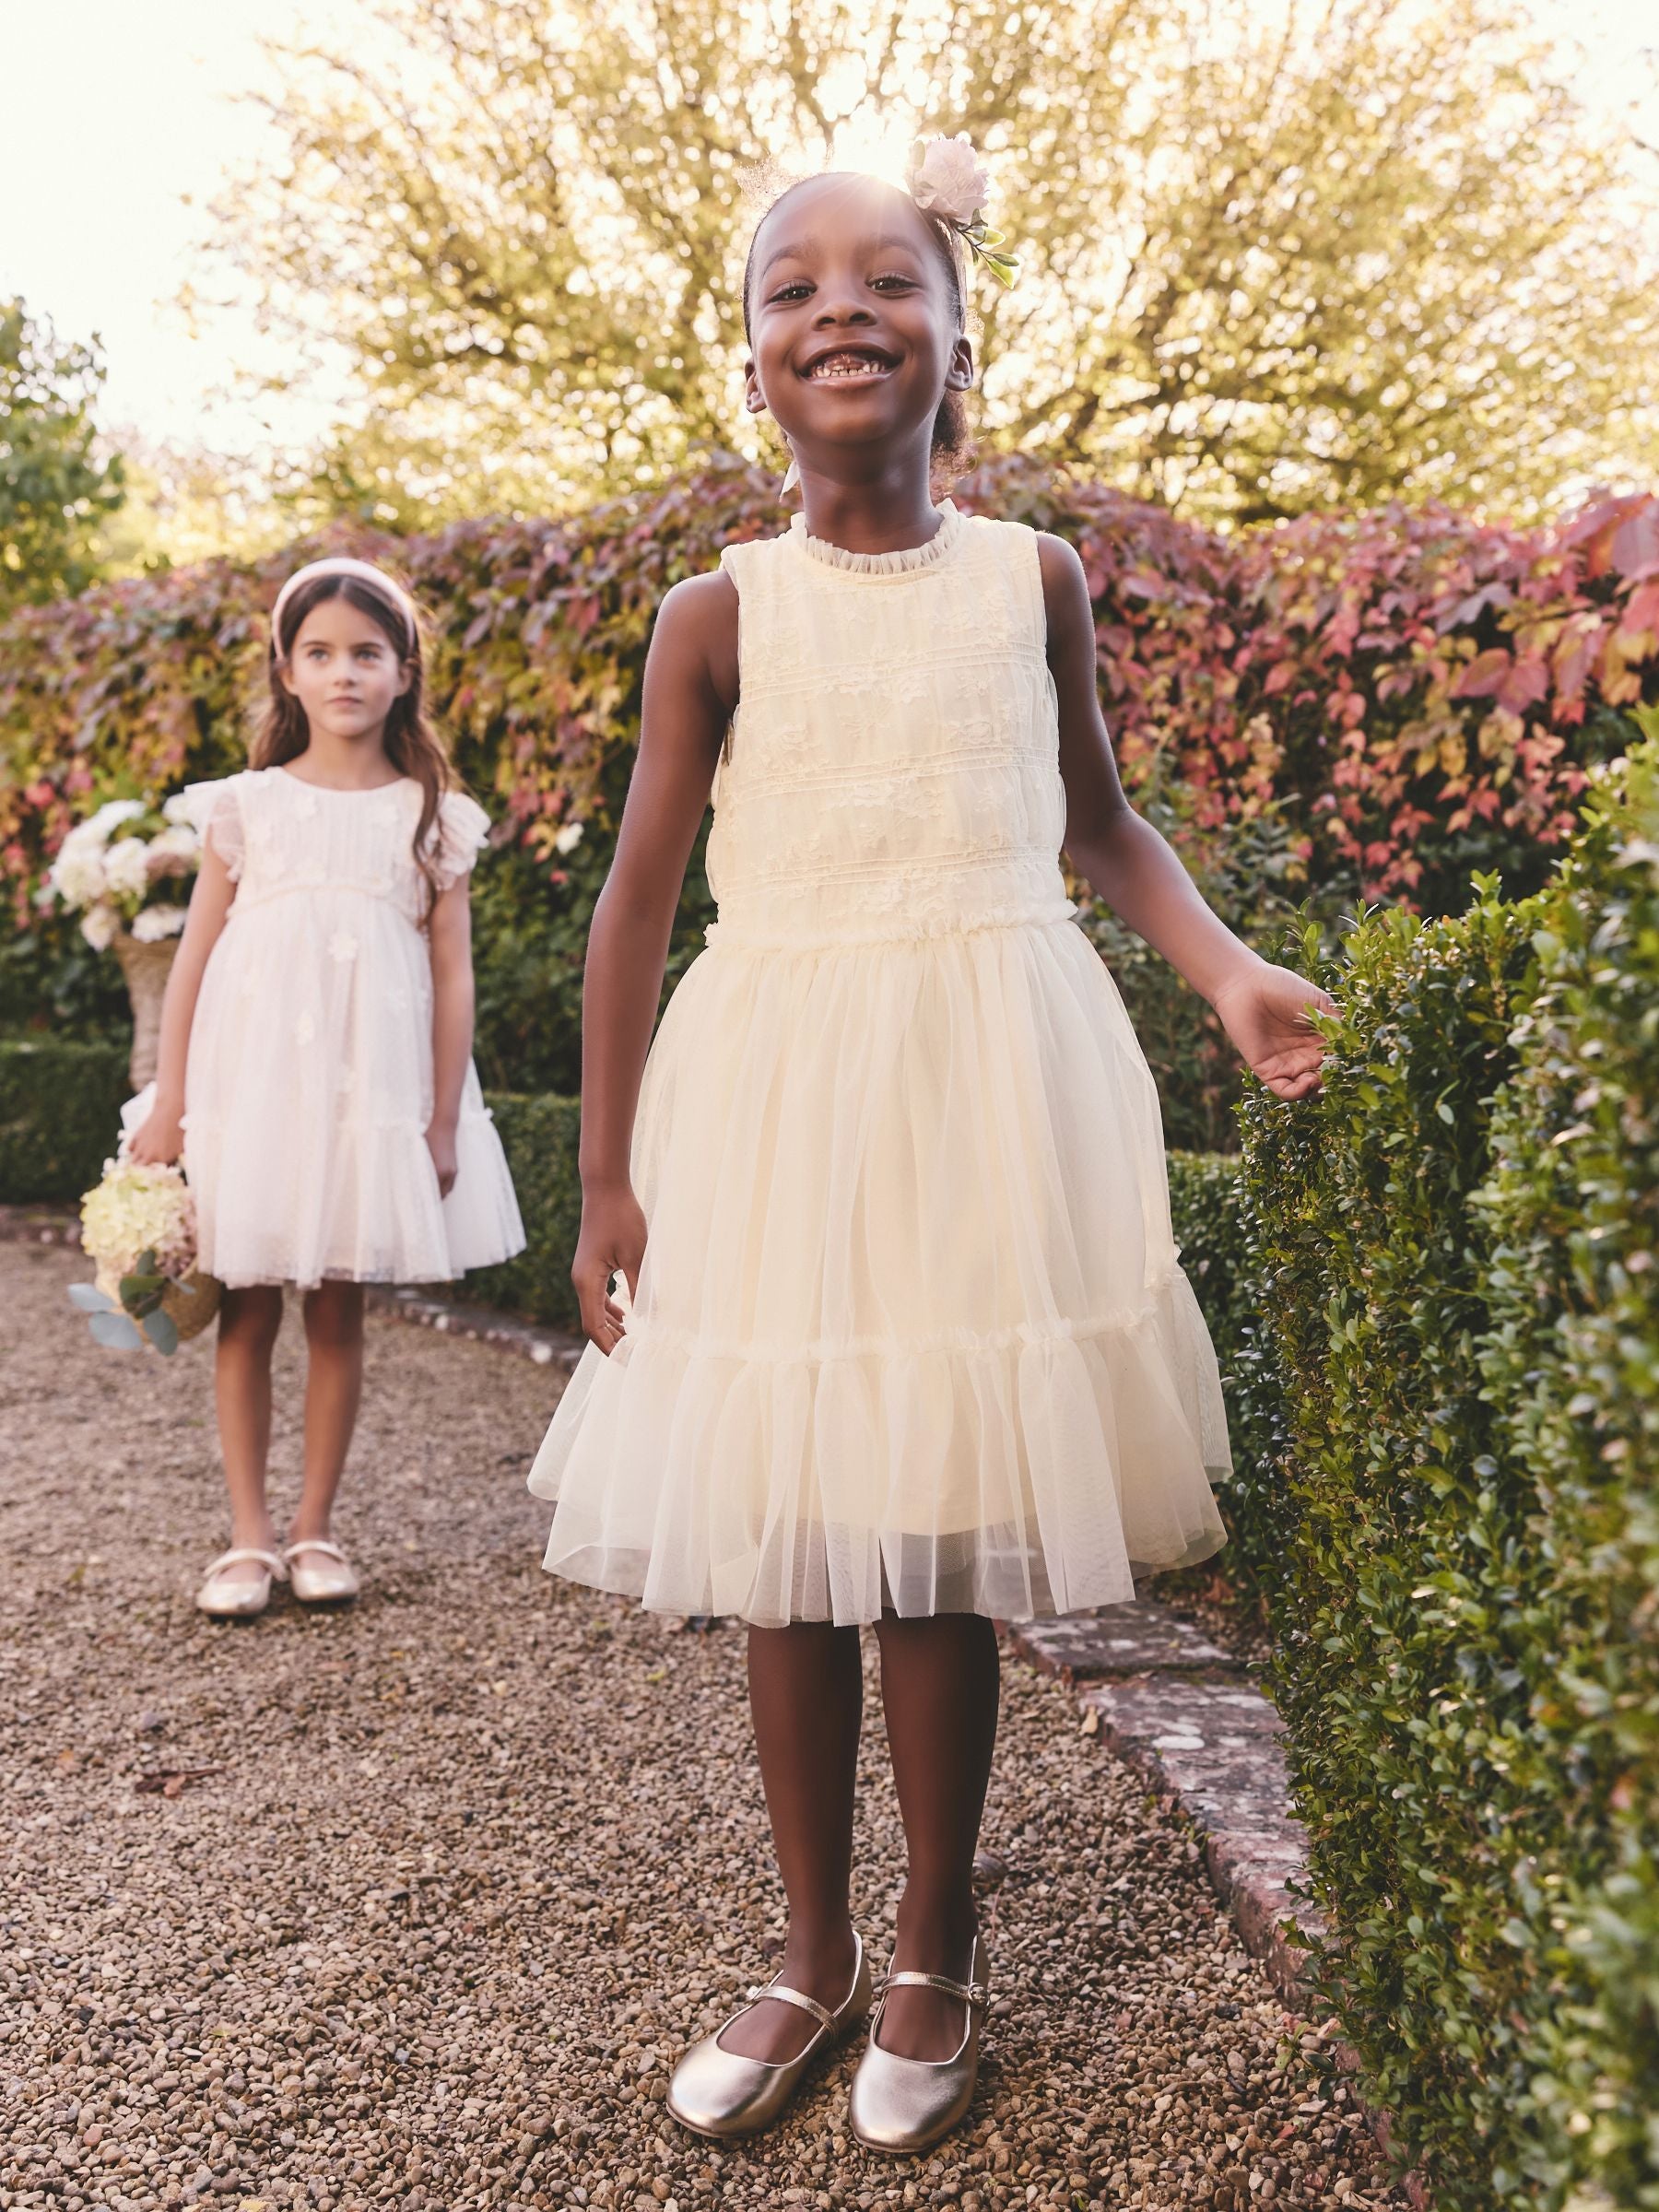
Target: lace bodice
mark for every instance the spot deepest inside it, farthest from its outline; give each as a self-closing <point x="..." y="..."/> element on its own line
<point x="893" y="766"/>
<point x="279" y="835"/>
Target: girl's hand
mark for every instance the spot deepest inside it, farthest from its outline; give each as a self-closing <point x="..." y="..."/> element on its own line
<point x="160" y="1138"/>
<point x="440" y="1144"/>
<point x="612" y="1238"/>
<point x="1265" y="1012"/>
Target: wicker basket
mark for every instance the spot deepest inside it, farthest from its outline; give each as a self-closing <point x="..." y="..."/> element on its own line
<point x="146" y="969"/>
<point x="192" y="1304"/>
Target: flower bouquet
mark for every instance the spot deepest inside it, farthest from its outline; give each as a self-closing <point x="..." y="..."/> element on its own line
<point x="138" y="1227"/>
<point x="123" y="871"/>
<point x="119" y="868"/>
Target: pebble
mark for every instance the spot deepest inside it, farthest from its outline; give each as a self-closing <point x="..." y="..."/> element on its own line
<point x="465" y="1865"/>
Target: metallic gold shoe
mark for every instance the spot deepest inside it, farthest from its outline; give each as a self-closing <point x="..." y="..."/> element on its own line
<point x="906" y="2104"/>
<point x="719" y="2092"/>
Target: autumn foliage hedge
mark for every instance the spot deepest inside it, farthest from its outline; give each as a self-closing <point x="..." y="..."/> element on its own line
<point x="1370" y="705"/>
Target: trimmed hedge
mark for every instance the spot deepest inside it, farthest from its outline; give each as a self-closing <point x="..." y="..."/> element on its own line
<point x="1453" y="1244"/>
<point x="539" y="1136"/>
<point x="60" y="1115"/>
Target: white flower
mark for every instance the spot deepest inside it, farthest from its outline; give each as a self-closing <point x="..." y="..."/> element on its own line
<point x="342" y="948"/>
<point x="78" y="873"/>
<point x="180" y="810"/>
<point x="99" y="926"/>
<point x="157" y="921"/>
<point x="179" y="843"/>
<point x="126" y="868"/>
<point x="567" y="838"/>
<point x="109" y="815"/>
<point x="947" y="178"/>
<point x="133" y="1210"/>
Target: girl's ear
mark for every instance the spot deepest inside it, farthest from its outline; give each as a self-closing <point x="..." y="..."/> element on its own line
<point x="285" y="675"/>
<point x="405" y="677"/>
<point x="960" y="375"/>
<point x="753" y="398"/>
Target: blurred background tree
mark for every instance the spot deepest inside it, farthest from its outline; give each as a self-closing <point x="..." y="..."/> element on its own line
<point x="1267" y="267"/>
<point x="57" y="491"/>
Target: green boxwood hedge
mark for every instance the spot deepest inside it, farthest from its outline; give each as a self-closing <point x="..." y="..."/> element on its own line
<point x="1453" y="1247"/>
<point x="60" y="1114"/>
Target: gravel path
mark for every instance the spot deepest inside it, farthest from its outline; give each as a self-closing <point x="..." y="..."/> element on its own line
<point x="470" y="1862"/>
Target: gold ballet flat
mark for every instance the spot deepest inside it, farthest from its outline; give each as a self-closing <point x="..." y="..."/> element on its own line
<point x="327" y="1582"/>
<point x="719" y="2092"/>
<point x="906" y="2104"/>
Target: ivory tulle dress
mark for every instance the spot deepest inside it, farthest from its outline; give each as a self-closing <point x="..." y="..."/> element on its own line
<point x="912" y="1329"/>
<point x="309" y="1080"/>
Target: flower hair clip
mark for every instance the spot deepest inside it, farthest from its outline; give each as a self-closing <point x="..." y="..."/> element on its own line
<point x="946" y="178"/>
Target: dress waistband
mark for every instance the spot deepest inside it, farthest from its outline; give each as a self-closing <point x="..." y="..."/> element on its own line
<point x="727" y="937"/>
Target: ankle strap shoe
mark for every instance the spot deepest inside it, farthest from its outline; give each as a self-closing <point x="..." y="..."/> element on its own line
<point x="718" y="2092"/>
<point x="904" y="2105"/>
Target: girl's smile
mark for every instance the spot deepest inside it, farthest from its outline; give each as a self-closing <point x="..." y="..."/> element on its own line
<point x="850" y="296"/>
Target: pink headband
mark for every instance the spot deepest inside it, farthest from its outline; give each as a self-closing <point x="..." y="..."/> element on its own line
<point x="342" y="564"/>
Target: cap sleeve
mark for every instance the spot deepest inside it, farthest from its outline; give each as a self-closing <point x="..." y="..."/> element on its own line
<point x="213" y="811"/>
<point x="458" y="838"/>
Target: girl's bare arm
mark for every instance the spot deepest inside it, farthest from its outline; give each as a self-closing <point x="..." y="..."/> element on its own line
<point x="450" y="943"/>
<point x="689" y="692"/>
<point x="161" y="1138"/>
<point x="1138" y="872"/>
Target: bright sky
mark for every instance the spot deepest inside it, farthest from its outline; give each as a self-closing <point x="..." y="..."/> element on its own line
<point x="119" y="121"/>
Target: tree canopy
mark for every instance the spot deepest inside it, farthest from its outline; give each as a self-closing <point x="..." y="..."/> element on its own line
<point x="1266" y="268"/>
<point x="55" y="491"/>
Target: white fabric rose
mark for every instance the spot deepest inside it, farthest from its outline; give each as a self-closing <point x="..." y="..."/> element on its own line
<point x="947" y="178"/>
<point x="126" y="868"/>
<point x="567" y="838"/>
<point x="157" y="921"/>
<point x="99" y="926"/>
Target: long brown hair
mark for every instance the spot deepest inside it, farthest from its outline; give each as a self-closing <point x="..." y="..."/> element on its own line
<point x="412" y="743"/>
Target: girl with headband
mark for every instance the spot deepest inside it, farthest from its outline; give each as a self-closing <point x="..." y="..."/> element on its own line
<point x="315" y="1070"/>
<point x="905" y="1338"/>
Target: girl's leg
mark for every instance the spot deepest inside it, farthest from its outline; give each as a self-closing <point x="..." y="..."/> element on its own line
<point x="248" y="1324"/>
<point x="334" y="1383"/>
<point x="806" y="1696"/>
<point x="939" y="1690"/>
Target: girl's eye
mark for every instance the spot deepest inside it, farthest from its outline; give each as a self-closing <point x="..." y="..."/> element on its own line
<point x="894" y="277"/>
<point x="787" y="291"/>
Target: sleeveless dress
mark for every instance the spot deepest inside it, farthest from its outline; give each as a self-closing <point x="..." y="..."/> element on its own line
<point x="308" y="1085"/>
<point x="910" y="1330"/>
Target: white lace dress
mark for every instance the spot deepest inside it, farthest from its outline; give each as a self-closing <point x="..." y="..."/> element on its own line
<point x="912" y="1329"/>
<point x="309" y="1080"/>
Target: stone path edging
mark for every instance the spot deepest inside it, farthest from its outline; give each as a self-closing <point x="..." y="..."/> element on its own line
<point x="1182" y="1713"/>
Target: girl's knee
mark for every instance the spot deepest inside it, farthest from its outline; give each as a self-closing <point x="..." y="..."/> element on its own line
<point x="251" y="1318"/>
<point x="333" y="1314"/>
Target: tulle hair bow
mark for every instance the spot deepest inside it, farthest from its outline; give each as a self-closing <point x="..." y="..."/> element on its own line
<point x="946" y="178"/>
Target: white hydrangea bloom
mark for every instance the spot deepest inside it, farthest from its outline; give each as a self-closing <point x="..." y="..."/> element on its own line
<point x="78" y="873"/>
<point x="178" y="810"/>
<point x="567" y="838"/>
<point x="109" y="817"/>
<point x="156" y="922"/>
<point x="126" y="868"/>
<point x="179" y="843"/>
<point x="99" y="926"/>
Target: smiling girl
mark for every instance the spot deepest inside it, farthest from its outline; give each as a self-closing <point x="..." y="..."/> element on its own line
<point x="315" y="1067"/>
<point x="907" y="1341"/>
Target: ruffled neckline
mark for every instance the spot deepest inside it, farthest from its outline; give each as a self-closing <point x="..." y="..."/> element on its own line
<point x="903" y="560"/>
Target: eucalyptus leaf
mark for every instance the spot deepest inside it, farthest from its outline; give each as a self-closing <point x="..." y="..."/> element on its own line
<point x="91" y="1299"/>
<point x="116" y="1331"/>
<point x="163" y="1333"/>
